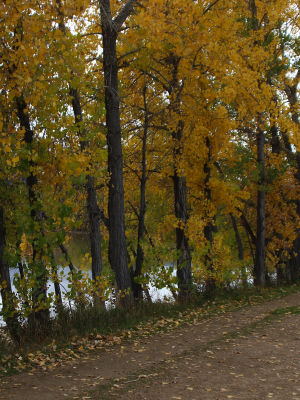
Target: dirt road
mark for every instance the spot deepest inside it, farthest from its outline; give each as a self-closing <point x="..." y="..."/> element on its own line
<point x="249" y="354"/>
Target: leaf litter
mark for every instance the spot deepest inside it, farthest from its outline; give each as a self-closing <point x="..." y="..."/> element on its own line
<point x="53" y="356"/>
<point x="81" y="349"/>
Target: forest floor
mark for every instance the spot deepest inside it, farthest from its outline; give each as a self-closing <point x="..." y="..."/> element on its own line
<point x="252" y="353"/>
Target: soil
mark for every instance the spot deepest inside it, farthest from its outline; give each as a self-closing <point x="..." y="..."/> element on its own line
<point x="240" y="355"/>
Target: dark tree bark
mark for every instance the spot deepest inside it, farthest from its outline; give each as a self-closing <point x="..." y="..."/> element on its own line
<point x="92" y="204"/>
<point x="8" y="310"/>
<point x="157" y="256"/>
<point x="276" y="150"/>
<point x="240" y="248"/>
<point x="279" y="269"/>
<point x="208" y="229"/>
<point x="56" y="283"/>
<point x="288" y="272"/>
<point x="184" y="262"/>
<point x="66" y="254"/>
<point x="295" y="259"/>
<point x="94" y="225"/>
<point x="117" y="238"/>
<point x="137" y="287"/>
<point x="291" y="92"/>
<point x="237" y="237"/>
<point x="247" y="227"/>
<point x="287" y="144"/>
<point x="41" y="316"/>
<point x="236" y="231"/>
<point x="275" y="140"/>
<point x="260" y="254"/>
<point x="21" y="270"/>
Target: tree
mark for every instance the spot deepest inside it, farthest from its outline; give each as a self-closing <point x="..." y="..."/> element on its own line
<point x="117" y="239"/>
<point x="92" y="203"/>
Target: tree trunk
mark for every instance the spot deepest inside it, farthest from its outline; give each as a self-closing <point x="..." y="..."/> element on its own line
<point x="184" y="263"/>
<point x="94" y="224"/>
<point x="169" y="286"/>
<point x="21" y="270"/>
<point x="288" y="269"/>
<point x="42" y="315"/>
<point x="279" y="274"/>
<point x="8" y="310"/>
<point x="92" y="205"/>
<point x="57" y="290"/>
<point x="208" y="229"/>
<point x="276" y="150"/>
<point x="240" y="248"/>
<point x="295" y="259"/>
<point x="66" y="254"/>
<point x="184" y="273"/>
<point x="237" y="237"/>
<point x="260" y="255"/>
<point x="275" y="140"/>
<point x="236" y="231"/>
<point x="117" y="238"/>
<point x="291" y="92"/>
<point x="137" y="287"/>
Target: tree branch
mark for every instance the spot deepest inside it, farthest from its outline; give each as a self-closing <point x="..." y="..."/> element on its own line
<point x="124" y="13"/>
<point x="209" y="7"/>
<point x="103" y="218"/>
<point x="130" y="52"/>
